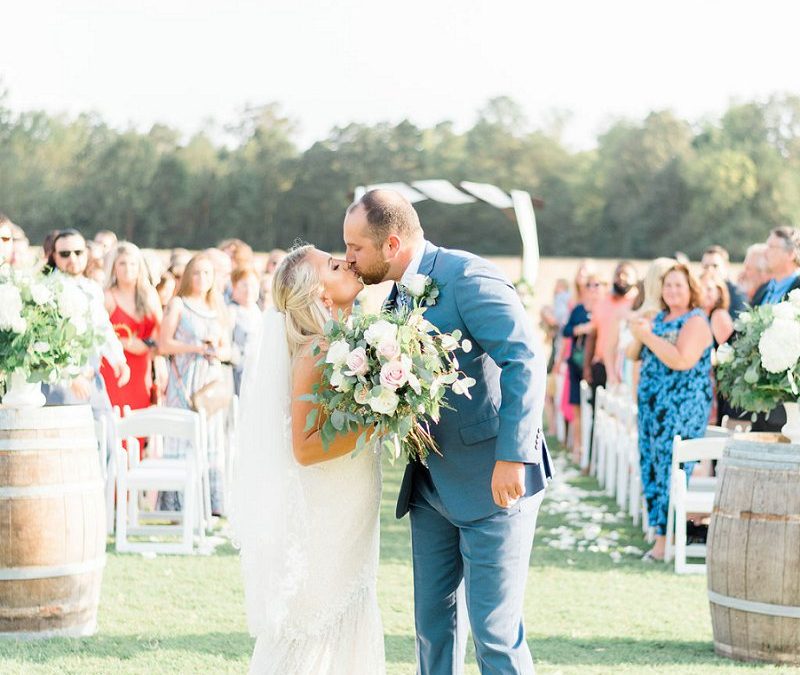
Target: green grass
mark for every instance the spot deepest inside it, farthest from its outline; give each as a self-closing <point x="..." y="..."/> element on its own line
<point x="585" y="613"/>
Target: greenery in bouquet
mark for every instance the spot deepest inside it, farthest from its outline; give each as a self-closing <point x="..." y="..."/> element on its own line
<point x="46" y="327"/>
<point x="388" y="373"/>
<point x="758" y="369"/>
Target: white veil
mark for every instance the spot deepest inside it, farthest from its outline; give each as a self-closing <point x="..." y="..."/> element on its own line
<point x="268" y="509"/>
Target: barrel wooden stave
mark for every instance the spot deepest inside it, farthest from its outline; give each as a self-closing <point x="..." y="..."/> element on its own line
<point x="52" y="523"/>
<point x="754" y="552"/>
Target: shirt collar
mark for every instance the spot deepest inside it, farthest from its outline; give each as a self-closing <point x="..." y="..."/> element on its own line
<point x="413" y="266"/>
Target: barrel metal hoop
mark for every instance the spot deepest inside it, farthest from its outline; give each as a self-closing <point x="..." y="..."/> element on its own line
<point x="53" y="490"/>
<point x="46" y="572"/>
<point x="754" y="607"/>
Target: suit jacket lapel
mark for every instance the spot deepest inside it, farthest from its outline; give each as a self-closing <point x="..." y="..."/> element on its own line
<point x="428" y="259"/>
<point x="391" y="299"/>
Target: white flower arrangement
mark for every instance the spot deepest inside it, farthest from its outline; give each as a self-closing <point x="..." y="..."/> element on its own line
<point x="45" y="327"/>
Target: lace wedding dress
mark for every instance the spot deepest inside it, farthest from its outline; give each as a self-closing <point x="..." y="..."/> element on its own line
<point x="309" y="536"/>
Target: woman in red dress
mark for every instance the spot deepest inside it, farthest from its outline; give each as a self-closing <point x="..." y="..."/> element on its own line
<point x="135" y="311"/>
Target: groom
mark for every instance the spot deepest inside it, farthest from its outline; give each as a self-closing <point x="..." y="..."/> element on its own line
<point x="473" y="507"/>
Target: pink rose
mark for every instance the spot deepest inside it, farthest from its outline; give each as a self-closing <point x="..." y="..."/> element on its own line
<point x="357" y="362"/>
<point x="389" y="349"/>
<point x="394" y="375"/>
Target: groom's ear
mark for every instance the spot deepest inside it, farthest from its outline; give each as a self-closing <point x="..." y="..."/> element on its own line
<point x="392" y="245"/>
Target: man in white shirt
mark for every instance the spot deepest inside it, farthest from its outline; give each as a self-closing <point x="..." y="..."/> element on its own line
<point x="68" y="260"/>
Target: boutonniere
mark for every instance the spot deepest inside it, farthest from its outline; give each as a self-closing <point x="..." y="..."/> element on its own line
<point x="423" y="290"/>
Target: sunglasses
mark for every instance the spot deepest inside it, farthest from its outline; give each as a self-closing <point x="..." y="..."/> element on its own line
<point x="593" y="285"/>
<point x="78" y="252"/>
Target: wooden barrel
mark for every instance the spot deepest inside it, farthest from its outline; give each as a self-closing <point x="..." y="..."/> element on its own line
<point x="753" y="554"/>
<point x="52" y="522"/>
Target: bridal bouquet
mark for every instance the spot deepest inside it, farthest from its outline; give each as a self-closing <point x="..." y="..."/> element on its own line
<point x="391" y="372"/>
<point x="759" y="370"/>
<point x="46" y="327"/>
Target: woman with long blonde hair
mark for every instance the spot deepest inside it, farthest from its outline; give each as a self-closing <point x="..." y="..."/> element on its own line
<point x="135" y="312"/>
<point x="195" y="335"/>
<point x="306" y="518"/>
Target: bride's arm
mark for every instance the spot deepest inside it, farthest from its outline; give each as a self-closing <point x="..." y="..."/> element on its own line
<point x="307" y="445"/>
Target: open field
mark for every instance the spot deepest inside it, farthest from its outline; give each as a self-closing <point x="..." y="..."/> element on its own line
<point x="595" y="610"/>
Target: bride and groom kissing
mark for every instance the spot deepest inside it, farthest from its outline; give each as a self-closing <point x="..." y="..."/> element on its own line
<point x="306" y="517"/>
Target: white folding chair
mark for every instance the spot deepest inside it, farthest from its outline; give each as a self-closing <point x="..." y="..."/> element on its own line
<point x="231" y="445"/>
<point x="695" y="497"/>
<point x="163" y="474"/>
<point x="624" y="409"/>
<point x="586" y="423"/>
<point x="612" y="442"/>
<point x="635" y="505"/>
<point x="599" y="424"/>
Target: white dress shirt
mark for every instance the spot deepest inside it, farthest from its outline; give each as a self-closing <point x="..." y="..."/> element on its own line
<point x="413" y="266"/>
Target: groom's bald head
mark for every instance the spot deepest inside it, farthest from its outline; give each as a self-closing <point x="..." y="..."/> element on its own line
<point x="388" y="212"/>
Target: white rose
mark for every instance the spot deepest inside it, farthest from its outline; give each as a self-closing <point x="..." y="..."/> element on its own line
<point x="389" y="349"/>
<point x="10" y="306"/>
<point x="779" y="345"/>
<point x="41" y="347"/>
<point x="394" y="374"/>
<point x="794" y="297"/>
<point x="379" y="332"/>
<point x="386" y="403"/>
<point x="18" y="324"/>
<point x="72" y="302"/>
<point x="416" y="285"/>
<point x="41" y="294"/>
<point x="338" y="353"/>
<point x="745" y="317"/>
<point x="724" y="353"/>
<point x="784" y="310"/>
<point x="357" y="362"/>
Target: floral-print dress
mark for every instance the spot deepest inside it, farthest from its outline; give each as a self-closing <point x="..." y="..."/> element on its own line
<point x="671" y="402"/>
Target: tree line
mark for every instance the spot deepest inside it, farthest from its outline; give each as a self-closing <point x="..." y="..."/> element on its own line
<point x="649" y="187"/>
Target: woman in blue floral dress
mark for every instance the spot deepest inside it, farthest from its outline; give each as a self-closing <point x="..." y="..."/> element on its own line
<point x="674" y="393"/>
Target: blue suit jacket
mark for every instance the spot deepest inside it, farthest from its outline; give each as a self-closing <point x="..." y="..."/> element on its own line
<point x="502" y="421"/>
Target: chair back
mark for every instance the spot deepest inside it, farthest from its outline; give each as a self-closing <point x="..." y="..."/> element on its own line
<point x="697" y="449"/>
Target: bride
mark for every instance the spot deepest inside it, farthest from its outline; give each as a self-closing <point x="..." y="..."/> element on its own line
<point x="306" y="519"/>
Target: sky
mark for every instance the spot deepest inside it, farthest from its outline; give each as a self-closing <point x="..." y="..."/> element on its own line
<point x="332" y="62"/>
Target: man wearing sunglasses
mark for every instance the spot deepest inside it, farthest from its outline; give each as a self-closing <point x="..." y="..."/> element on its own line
<point x="68" y="260"/>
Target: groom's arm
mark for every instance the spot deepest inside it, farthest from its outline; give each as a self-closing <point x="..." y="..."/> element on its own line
<point x="494" y="316"/>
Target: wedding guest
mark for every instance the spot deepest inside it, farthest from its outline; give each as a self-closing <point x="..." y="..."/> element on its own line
<point x="606" y="319"/>
<point x="135" y="312"/>
<point x="22" y="257"/>
<point x="276" y="256"/>
<point x="577" y="328"/>
<point x="165" y="288"/>
<point x="716" y="261"/>
<point x="265" y="291"/>
<point x="68" y="261"/>
<point x="47" y="251"/>
<point x="716" y="304"/>
<point x="178" y="259"/>
<point x="222" y="272"/>
<point x="239" y="252"/>
<point x="552" y="320"/>
<point x="192" y="335"/>
<point x="246" y="318"/>
<point x="674" y="388"/>
<point x="106" y="240"/>
<point x="95" y="265"/>
<point x="6" y="240"/>
<point x="646" y="305"/>
<point x="783" y="261"/>
<point x="755" y="270"/>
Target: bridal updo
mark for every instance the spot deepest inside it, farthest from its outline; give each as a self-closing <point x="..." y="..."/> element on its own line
<point x="297" y="291"/>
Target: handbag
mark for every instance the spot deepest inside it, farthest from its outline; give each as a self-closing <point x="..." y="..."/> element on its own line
<point x="213" y="396"/>
<point x="578" y="354"/>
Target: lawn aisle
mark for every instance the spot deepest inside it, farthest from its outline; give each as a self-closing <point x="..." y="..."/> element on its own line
<point x="585" y="612"/>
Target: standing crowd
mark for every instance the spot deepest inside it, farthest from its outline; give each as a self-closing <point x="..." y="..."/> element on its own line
<point x="654" y="337"/>
<point x="175" y="331"/>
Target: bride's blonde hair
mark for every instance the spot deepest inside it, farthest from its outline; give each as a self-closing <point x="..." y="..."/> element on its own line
<point x="297" y="291"/>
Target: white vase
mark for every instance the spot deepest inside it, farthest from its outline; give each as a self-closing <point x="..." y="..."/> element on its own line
<point x="23" y="394"/>
<point x="792" y="427"/>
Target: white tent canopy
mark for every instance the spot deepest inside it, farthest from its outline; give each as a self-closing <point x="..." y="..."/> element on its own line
<point x="445" y="192"/>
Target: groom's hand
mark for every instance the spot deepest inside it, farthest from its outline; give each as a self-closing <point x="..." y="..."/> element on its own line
<point x="508" y="482"/>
